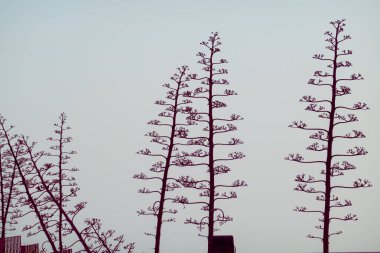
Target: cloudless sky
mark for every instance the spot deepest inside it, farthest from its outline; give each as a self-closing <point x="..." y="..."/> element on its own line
<point x="103" y="63"/>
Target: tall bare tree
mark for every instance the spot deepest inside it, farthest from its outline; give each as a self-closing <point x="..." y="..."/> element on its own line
<point x="46" y="191"/>
<point x="336" y="114"/>
<point x="174" y="104"/>
<point x="9" y="191"/>
<point x="16" y="150"/>
<point x="214" y="124"/>
<point x="53" y="181"/>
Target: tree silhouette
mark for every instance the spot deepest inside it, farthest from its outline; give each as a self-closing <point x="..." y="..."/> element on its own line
<point x="17" y="152"/>
<point x="60" y="181"/>
<point x="55" y="186"/>
<point x="47" y="190"/>
<point x="211" y="143"/>
<point x="326" y="137"/>
<point x="171" y="119"/>
<point x="9" y="191"/>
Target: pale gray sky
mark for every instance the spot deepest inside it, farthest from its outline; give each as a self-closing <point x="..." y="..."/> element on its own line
<point x="103" y="63"/>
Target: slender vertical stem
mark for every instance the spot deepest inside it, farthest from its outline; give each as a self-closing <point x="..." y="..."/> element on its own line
<point x="211" y="154"/>
<point x="60" y="178"/>
<point x="330" y="139"/>
<point x="166" y="170"/>
<point x="3" y="218"/>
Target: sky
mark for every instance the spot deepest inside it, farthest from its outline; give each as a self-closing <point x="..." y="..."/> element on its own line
<point x="103" y="64"/>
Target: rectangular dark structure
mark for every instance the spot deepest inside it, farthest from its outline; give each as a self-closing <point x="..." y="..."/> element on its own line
<point x="33" y="248"/>
<point x="223" y="244"/>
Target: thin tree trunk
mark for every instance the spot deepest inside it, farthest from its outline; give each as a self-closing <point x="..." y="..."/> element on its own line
<point x="3" y="219"/>
<point x="60" y="189"/>
<point x="166" y="172"/>
<point x="211" y="160"/>
<point x="163" y="191"/>
<point x="327" y="209"/>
